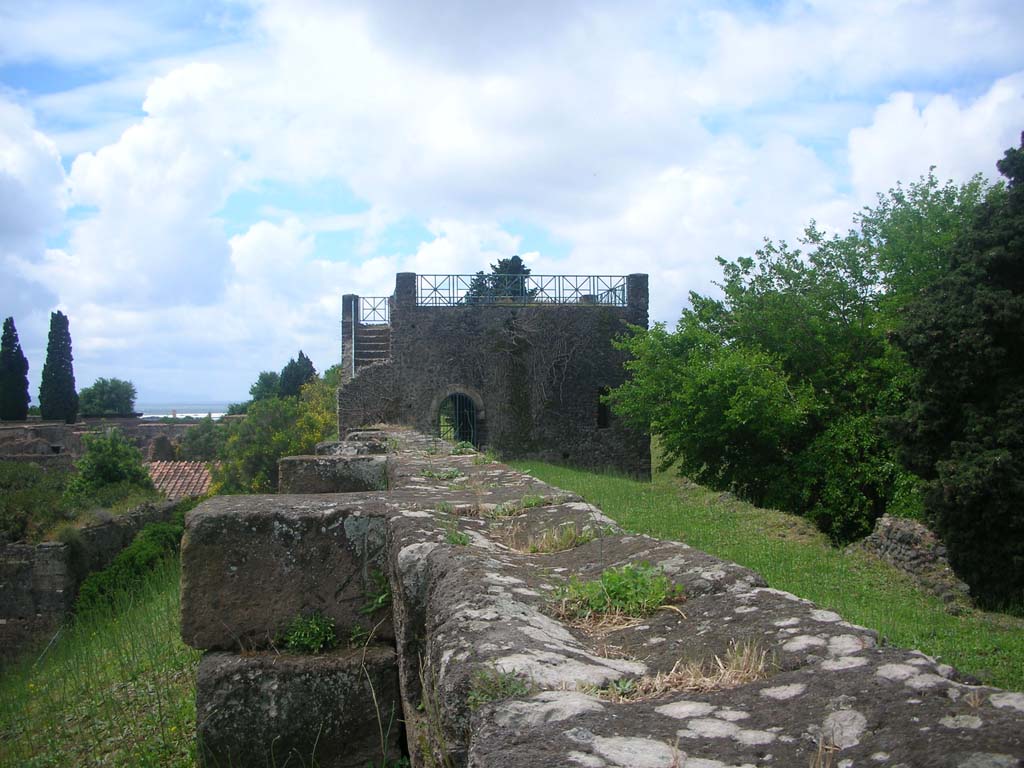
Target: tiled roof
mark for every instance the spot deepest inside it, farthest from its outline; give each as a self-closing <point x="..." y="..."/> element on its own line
<point x="180" y="479"/>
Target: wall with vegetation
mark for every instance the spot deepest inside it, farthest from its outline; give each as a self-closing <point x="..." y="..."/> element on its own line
<point x="39" y="584"/>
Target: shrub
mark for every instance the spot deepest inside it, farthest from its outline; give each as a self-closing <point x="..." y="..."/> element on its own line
<point x="632" y="590"/>
<point x="204" y="441"/>
<point x="109" y="460"/>
<point x="31" y="500"/>
<point x="131" y="567"/>
<point x="310" y="634"/>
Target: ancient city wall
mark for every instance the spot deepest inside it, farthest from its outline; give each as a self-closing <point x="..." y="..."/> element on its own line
<point x="39" y="583"/>
<point x="535" y="374"/>
<point x="470" y="664"/>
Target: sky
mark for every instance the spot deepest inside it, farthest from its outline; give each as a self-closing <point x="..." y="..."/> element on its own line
<point x="197" y="184"/>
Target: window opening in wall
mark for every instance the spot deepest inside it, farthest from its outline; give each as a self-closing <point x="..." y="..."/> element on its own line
<point x="456" y="419"/>
<point x="604" y="413"/>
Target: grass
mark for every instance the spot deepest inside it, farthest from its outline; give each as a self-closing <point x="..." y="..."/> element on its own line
<point x="792" y="555"/>
<point x="116" y="689"/>
<point x="743" y="663"/>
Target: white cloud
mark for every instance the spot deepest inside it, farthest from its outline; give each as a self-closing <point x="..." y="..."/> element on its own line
<point x="32" y="204"/>
<point x="640" y="140"/>
<point x="908" y="135"/>
<point x="72" y="33"/>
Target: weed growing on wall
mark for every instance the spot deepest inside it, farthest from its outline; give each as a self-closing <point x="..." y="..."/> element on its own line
<point x="310" y="634"/>
<point x="378" y="594"/>
<point x="494" y="685"/>
<point x="632" y="590"/>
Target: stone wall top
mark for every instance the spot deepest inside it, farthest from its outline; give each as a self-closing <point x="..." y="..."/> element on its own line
<point x="474" y="554"/>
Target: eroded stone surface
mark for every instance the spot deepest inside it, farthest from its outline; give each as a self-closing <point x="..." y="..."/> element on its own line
<point x="273" y="709"/>
<point x="251" y="564"/>
<point x="333" y="473"/>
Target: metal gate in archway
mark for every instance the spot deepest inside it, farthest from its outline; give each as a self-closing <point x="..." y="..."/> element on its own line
<point x="456" y="419"/>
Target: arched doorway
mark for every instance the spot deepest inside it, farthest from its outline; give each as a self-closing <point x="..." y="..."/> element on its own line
<point x="456" y="419"/>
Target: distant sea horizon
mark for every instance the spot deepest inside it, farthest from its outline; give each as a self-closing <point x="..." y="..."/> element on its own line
<point x="158" y="410"/>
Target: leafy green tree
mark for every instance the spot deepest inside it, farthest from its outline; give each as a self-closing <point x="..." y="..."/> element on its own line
<point x="507" y="279"/>
<point x="109" y="460"/>
<point x="204" y="441"/>
<point x="780" y="390"/>
<point x="14" y="397"/>
<point x="267" y="384"/>
<point x="963" y="427"/>
<point x="294" y="375"/>
<point x="58" y="399"/>
<point x="273" y="428"/>
<point x="108" y="397"/>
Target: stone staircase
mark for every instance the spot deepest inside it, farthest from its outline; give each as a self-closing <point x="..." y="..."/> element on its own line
<point x="373" y="345"/>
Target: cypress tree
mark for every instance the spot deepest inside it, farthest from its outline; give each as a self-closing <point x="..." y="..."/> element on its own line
<point x="58" y="399"/>
<point x="295" y="374"/>
<point x="14" y="395"/>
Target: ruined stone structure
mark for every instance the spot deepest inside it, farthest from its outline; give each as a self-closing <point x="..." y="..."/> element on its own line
<point x="524" y="373"/>
<point x="53" y="443"/>
<point x="444" y="586"/>
<point x="39" y="583"/>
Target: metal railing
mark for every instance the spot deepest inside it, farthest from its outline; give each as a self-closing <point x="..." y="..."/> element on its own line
<point x="462" y="290"/>
<point x="374" y="310"/>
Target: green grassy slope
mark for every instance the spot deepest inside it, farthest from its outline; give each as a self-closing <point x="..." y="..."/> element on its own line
<point x="792" y="555"/>
<point x="116" y="689"/>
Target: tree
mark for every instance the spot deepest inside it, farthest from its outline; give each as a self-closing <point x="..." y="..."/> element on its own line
<point x="111" y="467"/>
<point x="781" y="389"/>
<point x="963" y="425"/>
<point x="108" y="397"/>
<point x="507" y="280"/>
<point x="204" y="442"/>
<point x="267" y="384"/>
<point x="58" y="399"/>
<point x="14" y="397"/>
<point x="295" y="374"/>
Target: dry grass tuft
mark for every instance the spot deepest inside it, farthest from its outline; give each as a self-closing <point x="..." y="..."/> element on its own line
<point x="825" y="756"/>
<point x="743" y="663"/>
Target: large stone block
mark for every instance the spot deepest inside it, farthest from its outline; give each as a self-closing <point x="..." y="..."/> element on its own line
<point x="251" y="564"/>
<point x="336" y="710"/>
<point x="332" y="474"/>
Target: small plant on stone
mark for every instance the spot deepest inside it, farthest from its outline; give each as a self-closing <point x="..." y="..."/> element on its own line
<point x="378" y="594"/>
<point x="494" y="685"/>
<point x="454" y="536"/>
<point x="310" y="634"/>
<point x="531" y="500"/>
<point x="560" y="539"/>
<point x="623" y="688"/>
<point x="487" y="457"/>
<point x="632" y="590"/>
<point x="443" y="507"/>
<point x="358" y="636"/>
<point x="448" y="473"/>
<point x="505" y="509"/>
<point x="463" y="448"/>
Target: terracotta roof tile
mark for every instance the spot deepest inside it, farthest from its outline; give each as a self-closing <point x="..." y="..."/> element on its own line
<point x="180" y="479"/>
